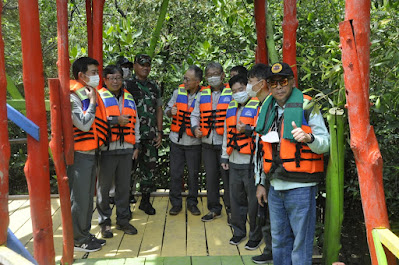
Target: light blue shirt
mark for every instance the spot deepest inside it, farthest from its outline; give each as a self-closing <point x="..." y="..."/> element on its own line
<point x="320" y="145"/>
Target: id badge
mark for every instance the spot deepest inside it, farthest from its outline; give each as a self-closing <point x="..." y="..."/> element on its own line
<point x="271" y="137"/>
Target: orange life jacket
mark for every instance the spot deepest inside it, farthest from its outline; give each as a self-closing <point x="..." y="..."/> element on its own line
<point x="210" y="118"/>
<point x="295" y="157"/>
<point x="181" y="121"/>
<point x="236" y="140"/>
<point x="97" y="135"/>
<point x="122" y="133"/>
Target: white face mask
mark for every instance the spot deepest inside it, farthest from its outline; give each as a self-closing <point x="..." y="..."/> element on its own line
<point x="249" y="90"/>
<point x="126" y="72"/>
<point x="215" y="81"/>
<point x="94" y="80"/>
<point x="241" y="97"/>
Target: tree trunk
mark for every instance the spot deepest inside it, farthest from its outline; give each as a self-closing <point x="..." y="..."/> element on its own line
<point x="60" y="168"/>
<point x="98" y="7"/>
<point x="37" y="165"/>
<point x="290" y="25"/>
<point x="5" y="145"/>
<point x="63" y="74"/>
<point x="354" y="38"/>
<point x="260" y="23"/>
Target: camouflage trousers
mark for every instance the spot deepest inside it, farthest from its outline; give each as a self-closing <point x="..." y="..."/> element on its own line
<point x="145" y="166"/>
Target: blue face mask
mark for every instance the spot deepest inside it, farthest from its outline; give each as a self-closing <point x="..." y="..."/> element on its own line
<point x="241" y="97"/>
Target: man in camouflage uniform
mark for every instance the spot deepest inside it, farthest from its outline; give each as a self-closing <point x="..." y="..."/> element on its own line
<point x="148" y="99"/>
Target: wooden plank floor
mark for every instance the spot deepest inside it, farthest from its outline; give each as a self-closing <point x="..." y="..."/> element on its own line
<point x="161" y="238"/>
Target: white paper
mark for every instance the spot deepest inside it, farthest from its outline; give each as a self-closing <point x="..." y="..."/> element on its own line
<point x="271" y="137"/>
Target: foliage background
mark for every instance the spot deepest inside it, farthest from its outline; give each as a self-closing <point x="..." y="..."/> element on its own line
<point x="196" y="32"/>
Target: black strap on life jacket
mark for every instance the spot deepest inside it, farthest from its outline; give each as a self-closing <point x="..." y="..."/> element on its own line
<point x="212" y="120"/>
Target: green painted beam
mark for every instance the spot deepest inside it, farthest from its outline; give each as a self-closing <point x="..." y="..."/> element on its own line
<point x="19" y="104"/>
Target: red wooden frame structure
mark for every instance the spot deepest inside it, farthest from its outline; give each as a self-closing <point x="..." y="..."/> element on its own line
<point x="355" y="41"/>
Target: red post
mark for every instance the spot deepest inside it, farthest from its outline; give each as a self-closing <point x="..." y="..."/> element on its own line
<point x="89" y="22"/>
<point x="63" y="74"/>
<point x="98" y="7"/>
<point x="260" y="23"/>
<point x="363" y="141"/>
<point x="4" y="145"/>
<point x="290" y="25"/>
<point x="60" y="167"/>
<point x="37" y="165"/>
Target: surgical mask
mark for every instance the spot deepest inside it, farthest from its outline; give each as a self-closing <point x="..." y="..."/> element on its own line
<point x="94" y="80"/>
<point x="126" y="72"/>
<point x="250" y="92"/>
<point x="241" y="97"/>
<point x="215" y="81"/>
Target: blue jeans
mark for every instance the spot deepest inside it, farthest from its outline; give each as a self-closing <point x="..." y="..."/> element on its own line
<point x="292" y="219"/>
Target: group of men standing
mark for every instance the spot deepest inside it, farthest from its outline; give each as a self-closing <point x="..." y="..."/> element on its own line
<point x="255" y="132"/>
<point x="260" y="135"/>
<point x="122" y="120"/>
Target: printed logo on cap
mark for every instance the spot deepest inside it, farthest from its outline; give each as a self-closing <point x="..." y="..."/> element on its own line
<point x="277" y="68"/>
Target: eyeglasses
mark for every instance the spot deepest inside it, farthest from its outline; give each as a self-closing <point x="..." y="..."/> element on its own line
<point x="115" y="79"/>
<point x="282" y="82"/>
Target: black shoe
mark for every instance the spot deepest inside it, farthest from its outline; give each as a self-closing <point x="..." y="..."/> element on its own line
<point x="132" y="199"/>
<point x="147" y="207"/>
<point x="127" y="228"/>
<point x="106" y="231"/>
<point x="194" y="209"/>
<point x="175" y="210"/>
<point x="210" y="216"/>
<point x="102" y="242"/>
<point x="89" y="246"/>
<point x="252" y="244"/>
<point x="235" y="240"/>
<point x="111" y="200"/>
<point x="263" y="259"/>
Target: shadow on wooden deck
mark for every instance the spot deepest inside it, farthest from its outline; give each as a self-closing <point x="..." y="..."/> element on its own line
<point x="161" y="238"/>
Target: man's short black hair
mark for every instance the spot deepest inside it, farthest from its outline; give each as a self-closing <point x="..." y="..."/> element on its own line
<point x="112" y="69"/>
<point x="197" y="71"/>
<point x="242" y="79"/>
<point x="260" y="71"/>
<point x="81" y="65"/>
<point x="240" y="69"/>
<point x="212" y="65"/>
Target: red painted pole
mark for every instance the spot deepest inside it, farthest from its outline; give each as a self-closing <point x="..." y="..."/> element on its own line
<point x="37" y="165"/>
<point x="98" y="7"/>
<point x="260" y="23"/>
<point x="60" y="167"/>
<point x="290" y="25"/>
<point x="63" y="73"/>
<point x="4" y="144"/>
<point x="363" y="141"/>
<point x="89" y="22"/>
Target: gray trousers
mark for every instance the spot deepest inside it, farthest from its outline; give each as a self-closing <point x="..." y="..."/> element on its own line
<point x="180" y="155"/>
<point x="266" y="229"/>
<point x="211" y="159"/>
<point x="115" y="167"/>
<point x="243" y="202"/>
<point x="82" y="177"/>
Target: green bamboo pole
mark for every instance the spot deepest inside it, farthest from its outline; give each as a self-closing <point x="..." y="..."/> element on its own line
<point x="334" y="187"/>
<point x="157" y="30"/>
<point x="271" y="45"/>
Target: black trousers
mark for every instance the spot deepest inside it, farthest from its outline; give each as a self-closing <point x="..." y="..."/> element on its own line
<point x="179" y="156"/>
<point x="211" y="158"/>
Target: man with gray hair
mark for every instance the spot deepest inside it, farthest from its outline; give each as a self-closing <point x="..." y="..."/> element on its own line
<point x="184" y="147"/>
<point x="207" y="123"/>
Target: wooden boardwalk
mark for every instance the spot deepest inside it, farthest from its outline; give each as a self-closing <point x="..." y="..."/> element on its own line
<point x="161" y="238"/>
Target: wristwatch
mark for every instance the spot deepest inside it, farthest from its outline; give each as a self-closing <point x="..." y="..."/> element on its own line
<point x="311" y="138"/>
